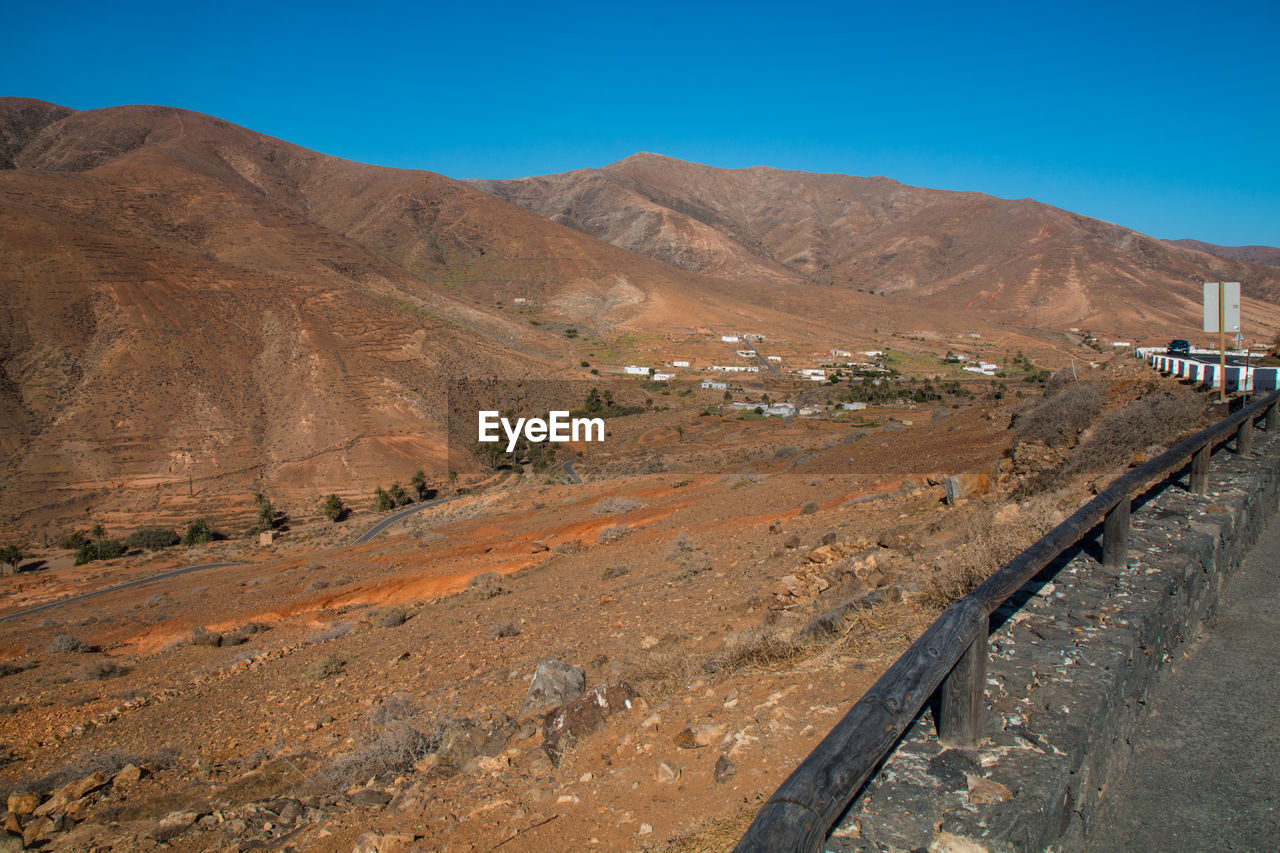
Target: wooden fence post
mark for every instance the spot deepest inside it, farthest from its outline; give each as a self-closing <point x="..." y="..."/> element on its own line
<point x="1273" y="417"/>
<point x="1115" y="536"/>
<point x="1244" y="436"/>
<point x="963" y="693"/>
<point x="1200" y="471"/>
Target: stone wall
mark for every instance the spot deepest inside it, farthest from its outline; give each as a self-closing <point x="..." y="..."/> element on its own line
<point x="1072" y="656"/>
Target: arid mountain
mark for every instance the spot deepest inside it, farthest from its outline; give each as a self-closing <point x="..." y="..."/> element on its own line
<point x="192" y="309"/>
<point x="1016" y="261"/>
<point x="1264" y="255"/>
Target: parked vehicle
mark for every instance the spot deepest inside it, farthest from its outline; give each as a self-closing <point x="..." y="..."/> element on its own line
<point x="1179" y="346"/>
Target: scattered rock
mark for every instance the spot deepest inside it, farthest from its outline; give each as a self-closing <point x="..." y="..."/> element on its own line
<point x="725" y="769"/>
<point x="699" y="736"/>
<point x="463" y="740"/>
<point x="41" y="827"/>
<point x="966" y="485"/>
<point x="372" y="842"/>
<point x="554" y="683"/>
<point x="23" y="803"/>
<point x="127" y="774"/>
<point x="792" y="541"/>
<point x="370" y="797"/>
<point x="538" y="547"/>
<point x="984" y="790"/>
<point x="584" y="715"/>
<point x="667" y="773"/>
<point x="829" y="538"/>
<point x="173" y="824"/>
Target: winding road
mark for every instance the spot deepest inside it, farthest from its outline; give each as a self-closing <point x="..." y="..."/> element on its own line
<point x="400" y="515"/>
<point x="30" y="611"/>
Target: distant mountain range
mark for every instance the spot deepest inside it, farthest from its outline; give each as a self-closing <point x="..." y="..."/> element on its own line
<point x="191" y="308"/>
<point x="1264" y="255"/>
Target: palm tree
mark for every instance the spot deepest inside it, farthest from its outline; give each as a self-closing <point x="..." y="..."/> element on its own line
<point x="98" y="532"/>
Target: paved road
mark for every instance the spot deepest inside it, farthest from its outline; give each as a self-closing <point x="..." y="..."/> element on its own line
<point x="1205" y="771"/>
<point x="1232" y="360"/>
<point x="397" y="516"/>
<point x="568" y="470"/>
<point x="139" y="582"/>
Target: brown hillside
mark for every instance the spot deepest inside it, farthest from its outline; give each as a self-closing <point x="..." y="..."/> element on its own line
<point x="1015" y="261"/>
<point x="1264" y="255"/>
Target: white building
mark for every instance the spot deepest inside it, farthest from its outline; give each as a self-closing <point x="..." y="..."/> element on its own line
<point x="776" y="358"/>
<point x="715" y="384"/>
<point x="735" y="368"/>
<point x="680" y="363"/>
<point x="636" y="370"/>
<point x="663" y="377"/>
<point x="814" y="373"/>
<point x="730" y="339"/>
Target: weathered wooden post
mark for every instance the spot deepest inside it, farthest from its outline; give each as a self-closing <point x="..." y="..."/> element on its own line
<point x="1200" y="471"/>
<point x="963" y="693"/>
<point x="1244" y="436"/>
<point x="1115" y="534"/>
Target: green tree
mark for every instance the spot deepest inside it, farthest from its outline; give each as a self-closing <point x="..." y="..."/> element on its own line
<point x="399" y="495"/>
<point x="98" y="532"/>
<point x="266" y="515"/>
<point x="12" y="555"/>
<point x="382" y="501"/>
<point x="419" y="484"/>
<point x="197" y="531"/>
<point x="333" y="508"/>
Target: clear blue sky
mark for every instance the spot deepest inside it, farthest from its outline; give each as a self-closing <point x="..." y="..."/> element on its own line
<point x="1164" y="117"/>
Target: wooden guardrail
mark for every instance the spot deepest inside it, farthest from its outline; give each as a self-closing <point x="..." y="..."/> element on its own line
<point x="950" y="656"/>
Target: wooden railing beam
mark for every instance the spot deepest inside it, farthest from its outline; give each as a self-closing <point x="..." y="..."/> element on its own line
<point x="1244" y="436"/>
<point x="963" y="693"/>
<point x="1200" y="471"/>
<point x="1115" y="537"/>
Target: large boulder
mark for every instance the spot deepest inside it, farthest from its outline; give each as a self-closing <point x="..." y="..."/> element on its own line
<point x="554" y="683"/>
<point x="584" y="715"/>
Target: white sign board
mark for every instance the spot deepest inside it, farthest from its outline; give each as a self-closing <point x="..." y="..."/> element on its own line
<point x="1230" y="306"/>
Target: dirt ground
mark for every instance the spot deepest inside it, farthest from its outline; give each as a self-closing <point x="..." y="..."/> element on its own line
<point x="323" y="695"/>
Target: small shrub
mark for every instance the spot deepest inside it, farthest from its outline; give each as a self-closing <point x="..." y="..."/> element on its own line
<point x="104" y="549"/>
<point x="506" y="629"/>
<point x="197" y="532"/>
<point x="486" y="585"/>
<point x="809" y="508"/>
<point x="613" y="572"/>
<point x="66" y="643"/>
<point x="612" y="532"/>
<point x="611" y="506"/>
<point x="393" y="708"/>
<point x="682" y="544"/>
<point x="1058" y="418"/>
<point x="325" y="667"/>
<point x="394" y="748"/>
<point x="392" y="617"/>
<point x="101" y="670"/>
<point x="201" y="636"/>
<point x="152" y="538"/>
<point x="73" y="540"/>
<point x="318" y="584"/>
<point x="758" y="647"/>
<point x="787" y="451"/>
<point x="332" y="632"/>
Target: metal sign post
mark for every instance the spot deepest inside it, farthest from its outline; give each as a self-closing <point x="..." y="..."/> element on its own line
<point x="1222" y="311"/>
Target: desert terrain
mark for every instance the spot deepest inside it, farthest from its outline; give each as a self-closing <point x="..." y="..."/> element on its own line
<point x="207" y="332"/>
